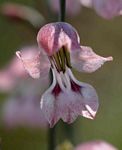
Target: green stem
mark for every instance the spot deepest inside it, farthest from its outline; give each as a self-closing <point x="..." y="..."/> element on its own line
<point x="52" y="138"/>
<point x="62" y="10"/>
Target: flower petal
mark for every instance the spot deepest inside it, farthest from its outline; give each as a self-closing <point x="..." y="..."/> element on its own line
<point x="34" y="62"/>
<point x="85" y="60"/>
<point x="7" y="82"/>
<point x="67" y="106"/>
<point x="52" y="37"/>
<point x="47" y="104"/>
<point x="87" y="100"/>
<point x="23" y="111"/>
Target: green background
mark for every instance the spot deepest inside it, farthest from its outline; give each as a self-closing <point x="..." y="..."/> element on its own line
<point x="105" y="37"/>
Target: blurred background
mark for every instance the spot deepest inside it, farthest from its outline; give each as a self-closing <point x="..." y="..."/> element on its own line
<point x="105" y="37"/>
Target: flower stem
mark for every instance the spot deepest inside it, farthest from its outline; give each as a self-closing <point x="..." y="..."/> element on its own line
<point x="52" y="138"/>
<point x="62" y="10"/>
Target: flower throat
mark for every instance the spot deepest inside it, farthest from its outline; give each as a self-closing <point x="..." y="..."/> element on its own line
<point x="61" y="59"/>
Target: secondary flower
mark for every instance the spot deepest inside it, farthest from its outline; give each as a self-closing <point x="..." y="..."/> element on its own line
<point x="104" y="8"/>
<point x="23" y="109"/>
<point x="72" y="11"/>
<point x="95" y="145"/>
<point x="108" y="8"/>
<point x="67" y="97"/>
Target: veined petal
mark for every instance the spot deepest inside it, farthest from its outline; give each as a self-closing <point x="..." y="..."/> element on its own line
<point x="68" y="106"/>
<point x="53" y="36"/>
<point x="48" y="105"/>
<point x="85" y="60"/>
<point x="87" y="100"/>
<point x="34" y="62"/>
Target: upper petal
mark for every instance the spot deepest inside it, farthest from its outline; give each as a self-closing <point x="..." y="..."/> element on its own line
<point x="85" y="60"/>
<point x="34" y="61"/>
<point x="54" y="36"/>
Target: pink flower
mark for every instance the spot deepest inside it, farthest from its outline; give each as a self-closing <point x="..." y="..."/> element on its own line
<point x="105" y="8"/>
<point x="54" y="5"/>
<point x="108" y="8"/>
<point x="95" y="145"/>
<point x="14" y="71"/>
<point x="23" y="109"/>
<point x="6" y="82"/>
<point x="10" y="74"/>
<point x="66" y="98"/>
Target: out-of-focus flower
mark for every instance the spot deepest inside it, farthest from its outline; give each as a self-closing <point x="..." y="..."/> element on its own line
<point x="22" y="12"/>
<point x="23" y="109"/>
<point x="105" y="8"/>
<point x="95" y="145"/>
<point x="67" y="97"/>
<point x="10" y="74"/>
<point x="108" y="8"/>
<point x="6" y="82"/>
<point x="14" y="71"/>
<point x="72" y="11"/>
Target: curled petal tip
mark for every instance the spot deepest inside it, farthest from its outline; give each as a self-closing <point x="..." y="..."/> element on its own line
<point x="90" y="113"/>
<point x="86" y="60"/>
<point x="32" y="64"/>
<point x="110" y="58"/>
<point x="18" y="54"/>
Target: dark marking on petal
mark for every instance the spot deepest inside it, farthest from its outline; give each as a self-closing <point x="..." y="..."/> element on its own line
<point x="75" y="87"/>
<point x="56" y="90"/>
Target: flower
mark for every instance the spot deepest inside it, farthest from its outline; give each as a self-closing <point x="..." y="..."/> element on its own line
<point x="66" y="98"/>
<point x="72" y="11"/>
<point x="22" y="109"/>
<point x="10" y="74"/>
<point x="95" y="145"/>
<point x="104" y="8"/>
<point x="107" y="8"/>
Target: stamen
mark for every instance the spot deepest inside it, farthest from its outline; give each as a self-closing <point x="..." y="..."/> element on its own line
<point x="67" y="57"/>
<point x="57" y="60"/>
<point x="61" y="59"/>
